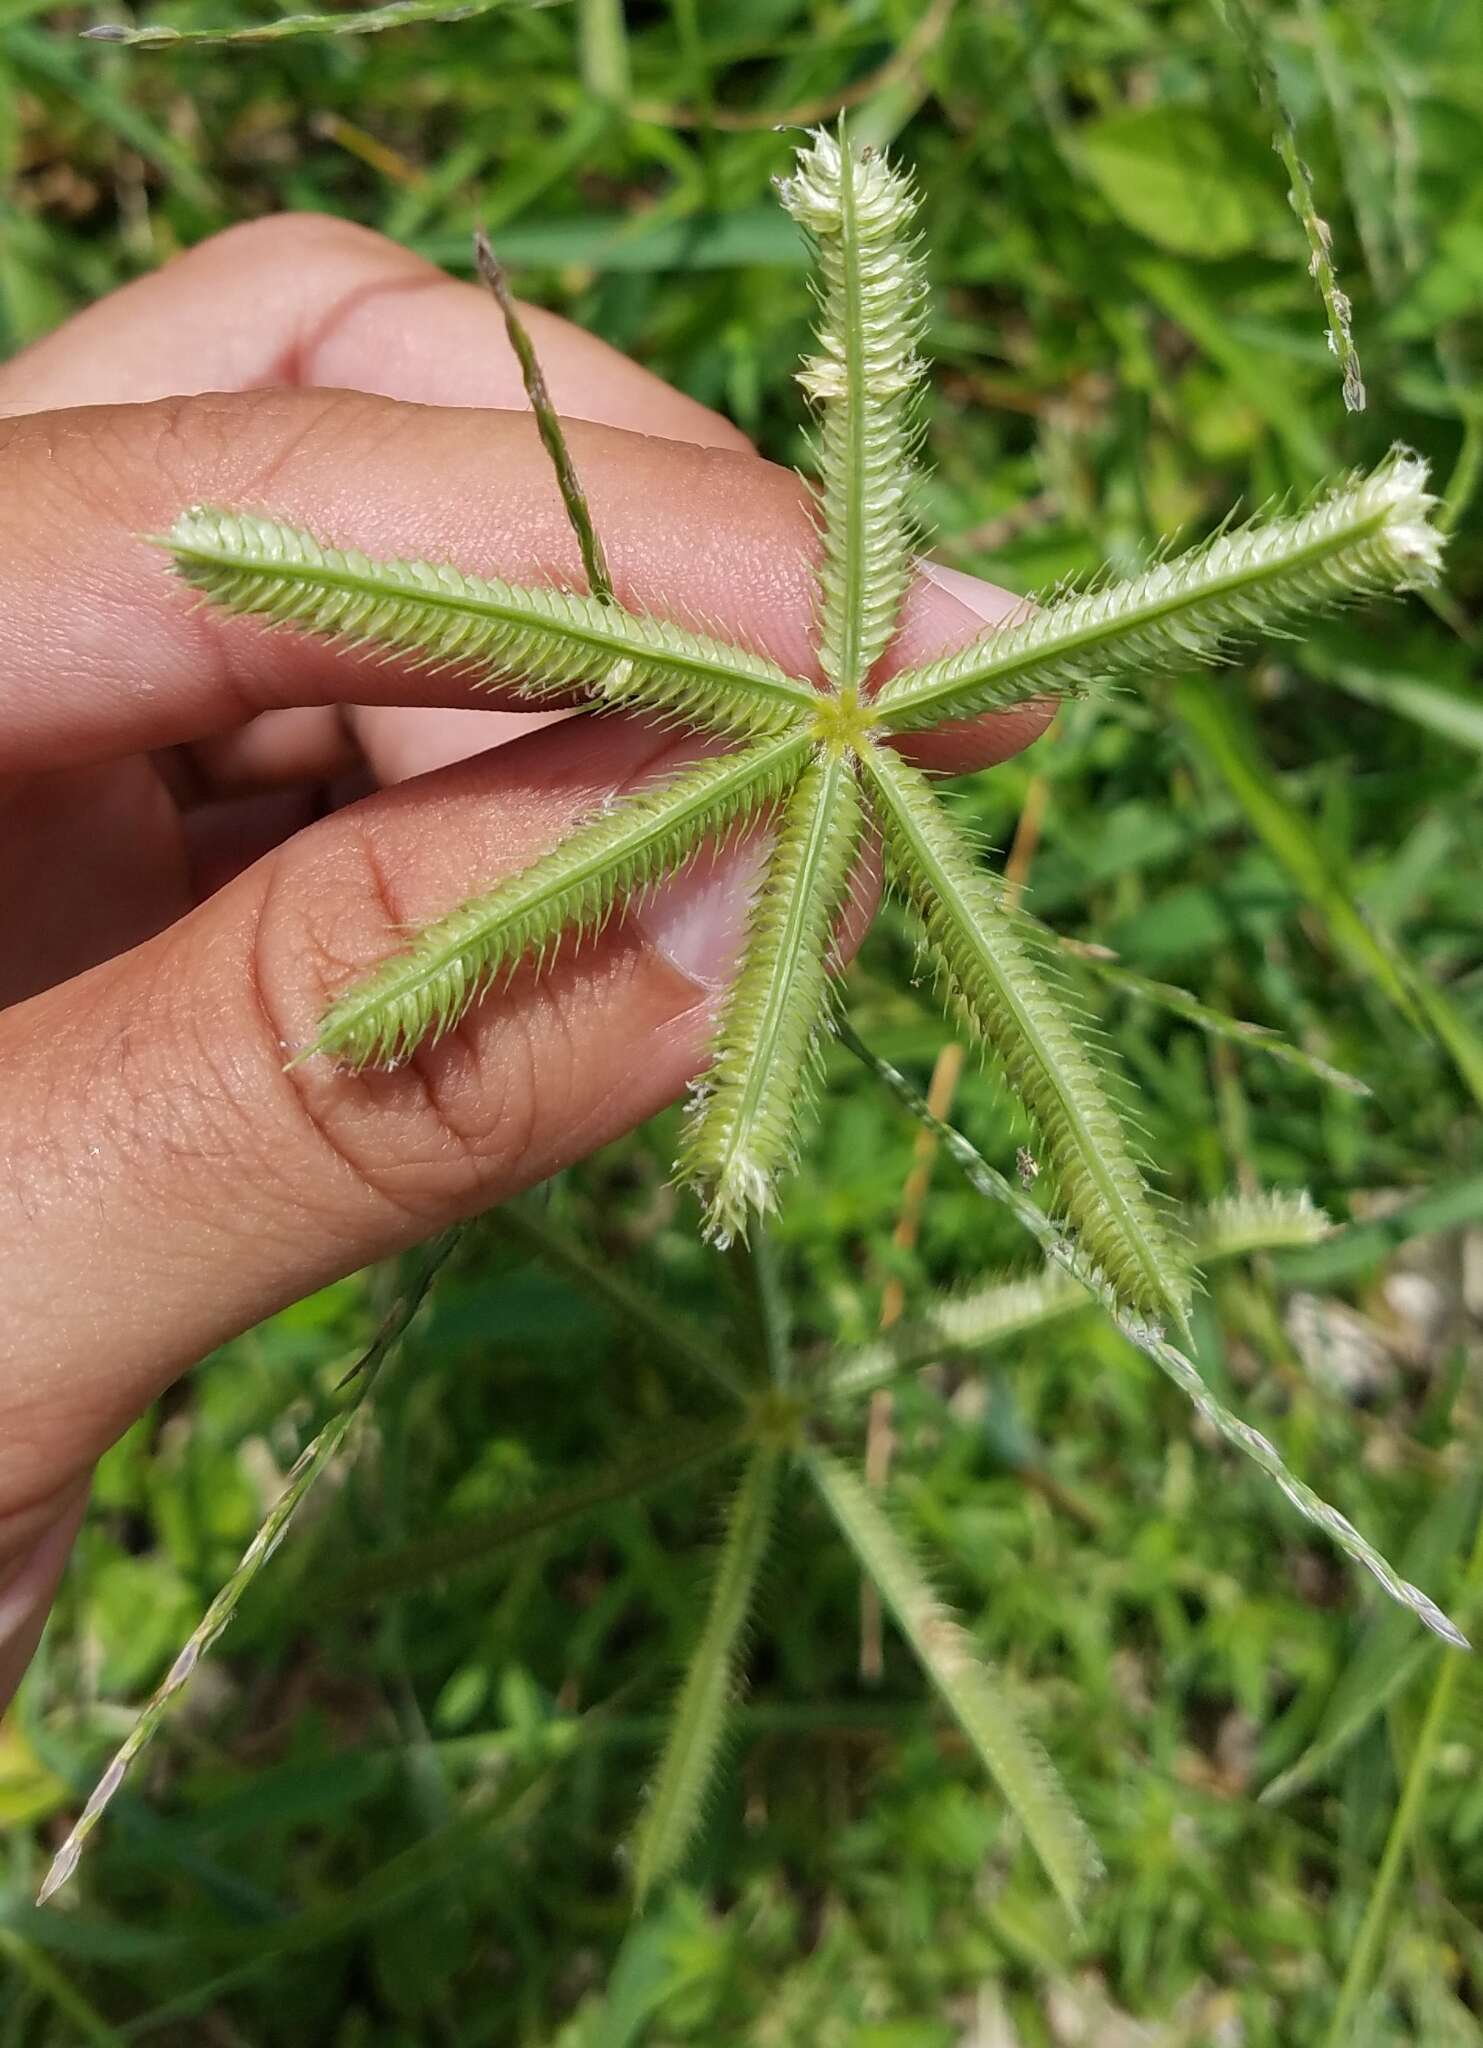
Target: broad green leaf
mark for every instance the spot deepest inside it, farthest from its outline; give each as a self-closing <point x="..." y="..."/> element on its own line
<point x="1184" y="180"/>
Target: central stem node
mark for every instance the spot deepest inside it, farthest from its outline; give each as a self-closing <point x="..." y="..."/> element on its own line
<point x="844" y="723"/>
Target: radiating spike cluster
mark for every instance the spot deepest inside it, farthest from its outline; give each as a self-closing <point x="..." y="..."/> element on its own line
<point x="742" y="1130"/>
<point x="1369" y="534"/>
<point x="599" y="868"/>
<point x="865" y="381"/>
<point x="824" y="764"/>
<point x="987" y="958"/>
<point x="545" y="641"/>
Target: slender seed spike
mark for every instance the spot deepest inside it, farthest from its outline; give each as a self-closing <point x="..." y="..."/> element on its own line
<point x="677" y="1795"/>
<point x="742" y="1130"/>
<point x="1370" y="533"/>
<point x="1151" y="1341"/>
<point x="600" y="866"/>
<point x="548" y="420"/>
<point x="987" y="956"/>
<point x="865" y="380"/>
<point x="546" y="640"/>
<point x="977" y="1698"/>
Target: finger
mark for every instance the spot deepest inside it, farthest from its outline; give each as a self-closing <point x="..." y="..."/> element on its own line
<point x="102" y="652"/>
<point x="170" y="1182"/>
<point x="301" y="299"/>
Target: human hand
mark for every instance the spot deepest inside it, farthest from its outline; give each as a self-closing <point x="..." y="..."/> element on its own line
<point x="182" y="885"/>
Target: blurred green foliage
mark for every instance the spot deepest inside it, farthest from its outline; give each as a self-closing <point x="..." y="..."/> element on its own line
<point x="393" y="1821"/>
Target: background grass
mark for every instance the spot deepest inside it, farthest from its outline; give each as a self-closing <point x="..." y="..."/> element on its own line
<point x="393" y="1820"/>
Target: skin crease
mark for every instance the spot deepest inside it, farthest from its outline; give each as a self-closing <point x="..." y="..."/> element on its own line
<point x="182" y="879"/>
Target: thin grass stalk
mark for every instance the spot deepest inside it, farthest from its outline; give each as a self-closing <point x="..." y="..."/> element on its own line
<point x="1150" y="1340"/>
<point x="1178" y="1002"/>
<point x="307" y="1468"/>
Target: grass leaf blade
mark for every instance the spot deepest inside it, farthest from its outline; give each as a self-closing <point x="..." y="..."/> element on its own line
<point x="213" y="1624"/>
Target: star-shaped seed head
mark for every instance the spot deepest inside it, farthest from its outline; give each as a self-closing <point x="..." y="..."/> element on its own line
<point x="821" y="767"/>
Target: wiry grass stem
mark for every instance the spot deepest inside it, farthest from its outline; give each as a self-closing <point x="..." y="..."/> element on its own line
<point x="371" y="21"/>
<point x="307" y="1468"/>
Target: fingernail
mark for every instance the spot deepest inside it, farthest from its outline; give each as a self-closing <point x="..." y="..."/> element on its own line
<point x="697" y="923"/>
<point x="985" y="600"/>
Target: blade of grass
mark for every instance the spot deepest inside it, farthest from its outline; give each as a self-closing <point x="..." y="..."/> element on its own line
<point x="974" y="1696"/>
<point x="1360" y="1969"/>
<point x="1150" y="1340"/>
<point x="671" y="1334"/>
<point x="398" y="14"/>
<point x="1389" y="1655"/>
<point x="602" y="44"/>
<point x="307" y="1468"/>
<point x="1302" y="199"/>
<point x="482" y="1542"/>
<point x="1223" y="739"/>
<point x="689" y="1759"/>
<point x="1164" y="995"/>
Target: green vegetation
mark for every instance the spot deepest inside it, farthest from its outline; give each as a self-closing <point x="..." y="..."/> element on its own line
<point x="388" y="1809"/>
